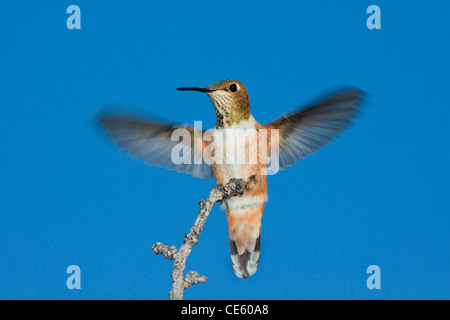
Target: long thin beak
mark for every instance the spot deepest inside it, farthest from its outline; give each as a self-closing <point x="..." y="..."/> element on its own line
<point x="200" y="89"/>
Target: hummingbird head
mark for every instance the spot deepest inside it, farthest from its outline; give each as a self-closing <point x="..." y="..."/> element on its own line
<point x="230" y="101"/>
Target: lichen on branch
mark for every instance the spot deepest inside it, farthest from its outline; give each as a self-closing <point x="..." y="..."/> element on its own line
<point x="235" y="187"/>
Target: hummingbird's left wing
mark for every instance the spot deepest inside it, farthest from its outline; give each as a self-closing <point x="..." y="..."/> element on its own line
<point x="153" y="142"/>
<point x="304" y="131"/>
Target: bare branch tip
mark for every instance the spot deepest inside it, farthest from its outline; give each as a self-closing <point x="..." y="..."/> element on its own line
<point x="235" y="187"/>
<point x="192" y="278"/>
<point x="168" y="252"/>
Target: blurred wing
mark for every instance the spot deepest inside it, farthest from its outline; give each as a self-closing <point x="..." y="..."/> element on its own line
<point x="304" y="131"/>
<point x="152" y="142"/>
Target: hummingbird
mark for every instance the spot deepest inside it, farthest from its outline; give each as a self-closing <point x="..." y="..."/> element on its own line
<point x="298" y="134"/>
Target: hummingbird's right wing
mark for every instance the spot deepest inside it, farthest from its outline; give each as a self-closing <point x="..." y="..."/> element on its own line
<point x="302" y="132"/>
<point x="153" y="142"/>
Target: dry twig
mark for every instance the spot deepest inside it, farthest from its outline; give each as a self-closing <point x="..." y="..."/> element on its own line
<point x="180" y="282"/>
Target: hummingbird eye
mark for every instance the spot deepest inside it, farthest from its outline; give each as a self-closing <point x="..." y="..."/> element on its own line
<point x="233" y="87"/>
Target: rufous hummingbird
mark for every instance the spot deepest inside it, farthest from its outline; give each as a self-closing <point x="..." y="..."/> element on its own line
<point x="297" y="134"/>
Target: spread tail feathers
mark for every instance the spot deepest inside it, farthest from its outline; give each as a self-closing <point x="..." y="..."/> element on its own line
<point x="246" y="263"/>
<point x="244" y="231"/>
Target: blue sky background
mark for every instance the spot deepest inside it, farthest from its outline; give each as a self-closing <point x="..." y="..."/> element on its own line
<point x="377" y="195"/>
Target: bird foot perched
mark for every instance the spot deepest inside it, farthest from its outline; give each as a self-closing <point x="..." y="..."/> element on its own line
<point x="235" y="187"/>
